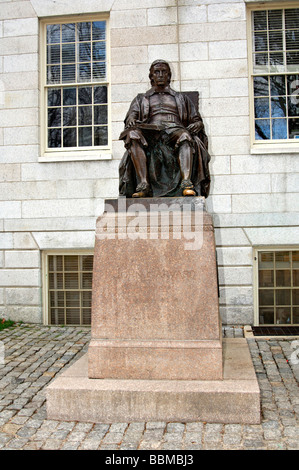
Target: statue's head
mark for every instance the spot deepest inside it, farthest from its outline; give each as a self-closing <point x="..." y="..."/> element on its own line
<point x="157" y="63"/>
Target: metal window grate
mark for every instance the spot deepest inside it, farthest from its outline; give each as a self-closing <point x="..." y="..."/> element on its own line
<point x="278" y="287"/>
<point x="70" y="289"/>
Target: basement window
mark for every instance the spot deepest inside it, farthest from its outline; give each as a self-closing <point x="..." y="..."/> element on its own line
<point x="69" y="288"/>
<point x="278" y="287"/>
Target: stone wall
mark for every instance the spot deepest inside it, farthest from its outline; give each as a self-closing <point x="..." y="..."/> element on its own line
<point x="44" y="206"/>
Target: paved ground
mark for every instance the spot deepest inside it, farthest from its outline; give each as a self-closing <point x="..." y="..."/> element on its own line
<point x="34" y="354"/>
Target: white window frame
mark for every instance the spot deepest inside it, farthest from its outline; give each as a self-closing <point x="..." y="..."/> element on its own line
<point x="256" y="252"/>
<point x="79" y="153"/>
<point x="45" y="280"/>
<point x="263" y="146"/>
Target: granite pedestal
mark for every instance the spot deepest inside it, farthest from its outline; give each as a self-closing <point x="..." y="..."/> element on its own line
<point x="156" y="348"/>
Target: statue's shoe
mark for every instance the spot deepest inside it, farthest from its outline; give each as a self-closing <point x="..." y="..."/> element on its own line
<point x="189" y="192"/>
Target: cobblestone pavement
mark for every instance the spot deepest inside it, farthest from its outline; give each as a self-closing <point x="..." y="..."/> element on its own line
<point x="35" y="354"/>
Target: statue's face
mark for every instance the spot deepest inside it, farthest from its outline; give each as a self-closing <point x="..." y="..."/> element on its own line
<point x="160" y="75"/>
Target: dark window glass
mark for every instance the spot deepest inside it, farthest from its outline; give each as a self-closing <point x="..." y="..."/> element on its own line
<point x="100" y="114"/>
<point x="69" y="137"/>
<point x="101" y="135"/>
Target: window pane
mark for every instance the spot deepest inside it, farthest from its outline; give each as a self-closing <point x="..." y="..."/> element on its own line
<point x="266" y="260"/>
<point x="85" y="115"/>
<point x="261" y="107"/>
<point x="53" y="74"/>
<point x="266" y="297"/>
<point x="69" y="137"/>
<point x="57" y="316"/>
<point x="98" y="30"/>
<point x="73" y="316"/>
<point x="86" y="280"/>
<point x="85" y="136"/>
<point x="276" y="59"/>
<point x="71" y="263"/>
<point x="293" y="106"/>
<point x="296" y="277"/>
<point x="293" y="84"/>
<point x="84" y="31"/>
<point x="278" y="107"/>
<point x="68" y="53"/>
<point x="291" y="18"/>
<point x="85" y="52"/>
<point x="69" y="116"/>
<point x="100" y="114"/>
<point x="56" y="281"/>
<point x="54" y="138"/>
<point x="86" y="299"/>
<point x="54" y="97"/>
<point x="101" y="135"/>
<point x="71" y="281"/>
<point x="282" y="259"/>
<point x="296" y="297"/>
<point x="283" y="278"/>
<point x="85" y="95"/>
<point x="266" y="278"/>
<point x="68" y="32"/>
<point x="260" y="41"/>
<point x="99" y="70"/>
<point x="53" y="33"/>
<point x="283" y="297"/>
<point x="283" y="315"/>
<point x="69" y="96"/>
<point x="84" y="72"/>
<point x="56" y="299"/>
<point x="296" y="315"/>
<point x="87" y="263"/>
<point x="279" y="129"/>
<point x="275" y="41"/>
<point x="292" y="39"/>
<point x="72" y="299"/>
<point x="261" y="86"/>
<point x="275" y="19"/>
<point x="266" y="316"/>
<point x="292" y="58"/>
<point x="294" y="128"/>
<point x="68" y="73"/>
<point x="55" y="263"/>
<point x="261" y="61"/>
<point x="295" y="259"/>
<point x="99" y="51"/>
<point x="54" y="117"/>
<point x="53" y="54"/>
<point x="100" y="94"/>
<point x="277" y="85"/>
<point x="262" y="129"/>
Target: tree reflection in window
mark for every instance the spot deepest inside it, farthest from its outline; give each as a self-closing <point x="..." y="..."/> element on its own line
<point x="77" y="114"/>
<point x="276" y="73"/>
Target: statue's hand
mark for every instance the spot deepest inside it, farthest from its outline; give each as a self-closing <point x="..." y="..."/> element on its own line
<point x="131" y="122"/>
<point x="195" y="127"/>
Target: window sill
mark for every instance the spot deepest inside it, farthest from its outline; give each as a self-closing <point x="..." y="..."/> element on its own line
<point x="75" y="156"/>
<point x="277" y="148"/>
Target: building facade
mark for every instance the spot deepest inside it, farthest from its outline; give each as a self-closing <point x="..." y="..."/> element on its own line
<point x="68" y="72"/>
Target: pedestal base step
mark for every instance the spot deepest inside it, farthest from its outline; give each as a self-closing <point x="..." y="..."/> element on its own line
<point x="73" y="396"/>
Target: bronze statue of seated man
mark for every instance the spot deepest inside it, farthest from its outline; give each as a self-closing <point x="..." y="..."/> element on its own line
<point x="166" y="146"/>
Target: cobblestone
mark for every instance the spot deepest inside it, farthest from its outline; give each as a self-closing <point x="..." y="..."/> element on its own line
<point x="35" y="355"/>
